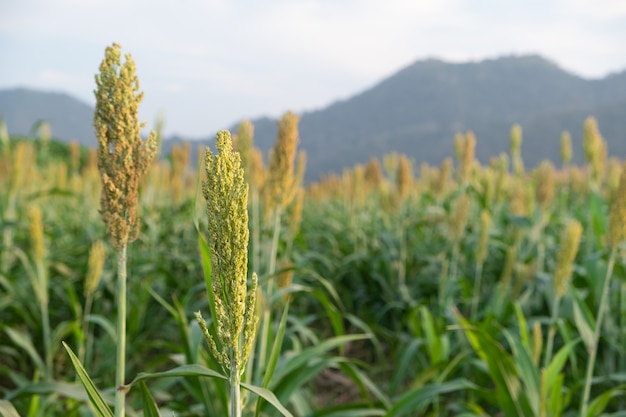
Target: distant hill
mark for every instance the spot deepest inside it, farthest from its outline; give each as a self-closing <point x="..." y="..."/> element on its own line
<point x="69" y="118"/>
<point x="416" y="111"/>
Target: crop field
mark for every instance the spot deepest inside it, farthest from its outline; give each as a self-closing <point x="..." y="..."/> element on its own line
<point x="134" y="284"/>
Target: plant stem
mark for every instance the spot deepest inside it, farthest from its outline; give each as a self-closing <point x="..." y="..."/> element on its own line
<point x="42" y="284"/>
<point x="275" y="238"/>
<point x="235" y="387"/>
<point x="256" y="225"/>
<point x="404" y="290"/>
<point x="120" y="389"/>
<point x="45" y="321"/>
<point x="596" y="333"/>
<point x="268" y="297"/>
<point x="7" y="236"/>
<point x="477" y="284"/>
<point x="551" y="331"/>
<point x="82" y="348"/>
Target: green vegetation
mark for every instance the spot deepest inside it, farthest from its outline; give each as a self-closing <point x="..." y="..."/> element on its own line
<point x="470" y="289"/>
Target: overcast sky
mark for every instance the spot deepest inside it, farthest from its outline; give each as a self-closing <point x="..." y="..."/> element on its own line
<point x="209" y="63"/>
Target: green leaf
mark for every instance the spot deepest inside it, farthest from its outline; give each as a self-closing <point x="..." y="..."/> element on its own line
<point x="7" y="409"/>
<point x="433" y="339"/>
<point x="274" y="354"/>
<point x="365" y="383"/>
<point x="149" y="406"/>
<point x="315" y="352"/>
<point x="556" y="399"/>
<point x="509" y="393"/>
<point x="557" y="363"/>
<point x="95" y="398"/>
<point x="526" y="369"/>
<point x="406" y="364"/>
<point x="73" y="390"/>
<point x="523" y="326"/>
<point x="200" y="371"/>
<point x="268" y="396"/>
<point x="276" y="348"/>
<point x="350" y="410"/>
<point x="334" y="315"/>
<point x="24" y="341"/>
<point x="600" y="402"/>
<point x="414" y="400"/>
<point x="185" y="370"/>
<point x="105" y="324"/>
<point x="583" y="324"/>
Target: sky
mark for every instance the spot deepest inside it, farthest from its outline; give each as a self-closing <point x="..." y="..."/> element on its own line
<point x="207" y="64"/>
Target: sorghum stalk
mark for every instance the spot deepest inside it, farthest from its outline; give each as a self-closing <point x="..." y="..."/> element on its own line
<point x="570" y="241"/>
<point x="226" y="194"/>
<point x="122" y="159"/>
<point x="94" y="272"/>
<point x="617" y="235"/>
<point x="482" y="250"/>
<point x="40" y="281"/>
<point x="281" y="187"/>
<point x="457" y="229"/>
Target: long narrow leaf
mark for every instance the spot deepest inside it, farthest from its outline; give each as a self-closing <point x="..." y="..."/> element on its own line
<point x="597" y="406"/>
<point x="7" y="409"/>
<point x="526" y="369"/>
<point x="95" y="398"/>
<point x="277" y="345"/>
<point x="557" y="363"/>
<point x="433" y="339"/>
<point x="74" y="390"/>
<point x="316" y="351"/>
<point x="149" y="405"/>
<point x="276" y="348"/>
<point x="268" y="396"/>
<point x="413" y="401"/>
<point x="200" y="371"/>
<point x="24" y="341"/>
<point x="509" y="393"/>
<point x="584" y="323"/>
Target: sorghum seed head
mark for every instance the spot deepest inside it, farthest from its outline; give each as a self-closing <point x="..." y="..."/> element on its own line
<point x="617" y="214"/>
<point x="122" y="155"/>
<point x="566" y="148"/>
<point x="570" y="239"/>
<point x="95" y="265"/>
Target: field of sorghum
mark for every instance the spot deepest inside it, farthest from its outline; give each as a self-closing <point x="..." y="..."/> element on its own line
<point x="466" y="290"/>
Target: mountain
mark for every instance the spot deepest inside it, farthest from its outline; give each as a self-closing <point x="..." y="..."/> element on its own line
<point x="418" y="110"/>
<point x="69" y="118"/>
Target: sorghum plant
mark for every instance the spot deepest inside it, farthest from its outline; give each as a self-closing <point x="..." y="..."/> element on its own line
<point x="123" y="157"/>
<point x="226" y="195"/>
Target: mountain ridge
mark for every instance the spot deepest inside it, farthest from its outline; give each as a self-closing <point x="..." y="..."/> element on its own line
<point x="418" y="110"/>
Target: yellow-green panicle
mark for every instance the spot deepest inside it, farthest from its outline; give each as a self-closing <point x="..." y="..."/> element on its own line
<point x="122" y="155"/>
<point x="226" y="195"/>
<point x="617" y="215"/>
<point x="570" y="240"/>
